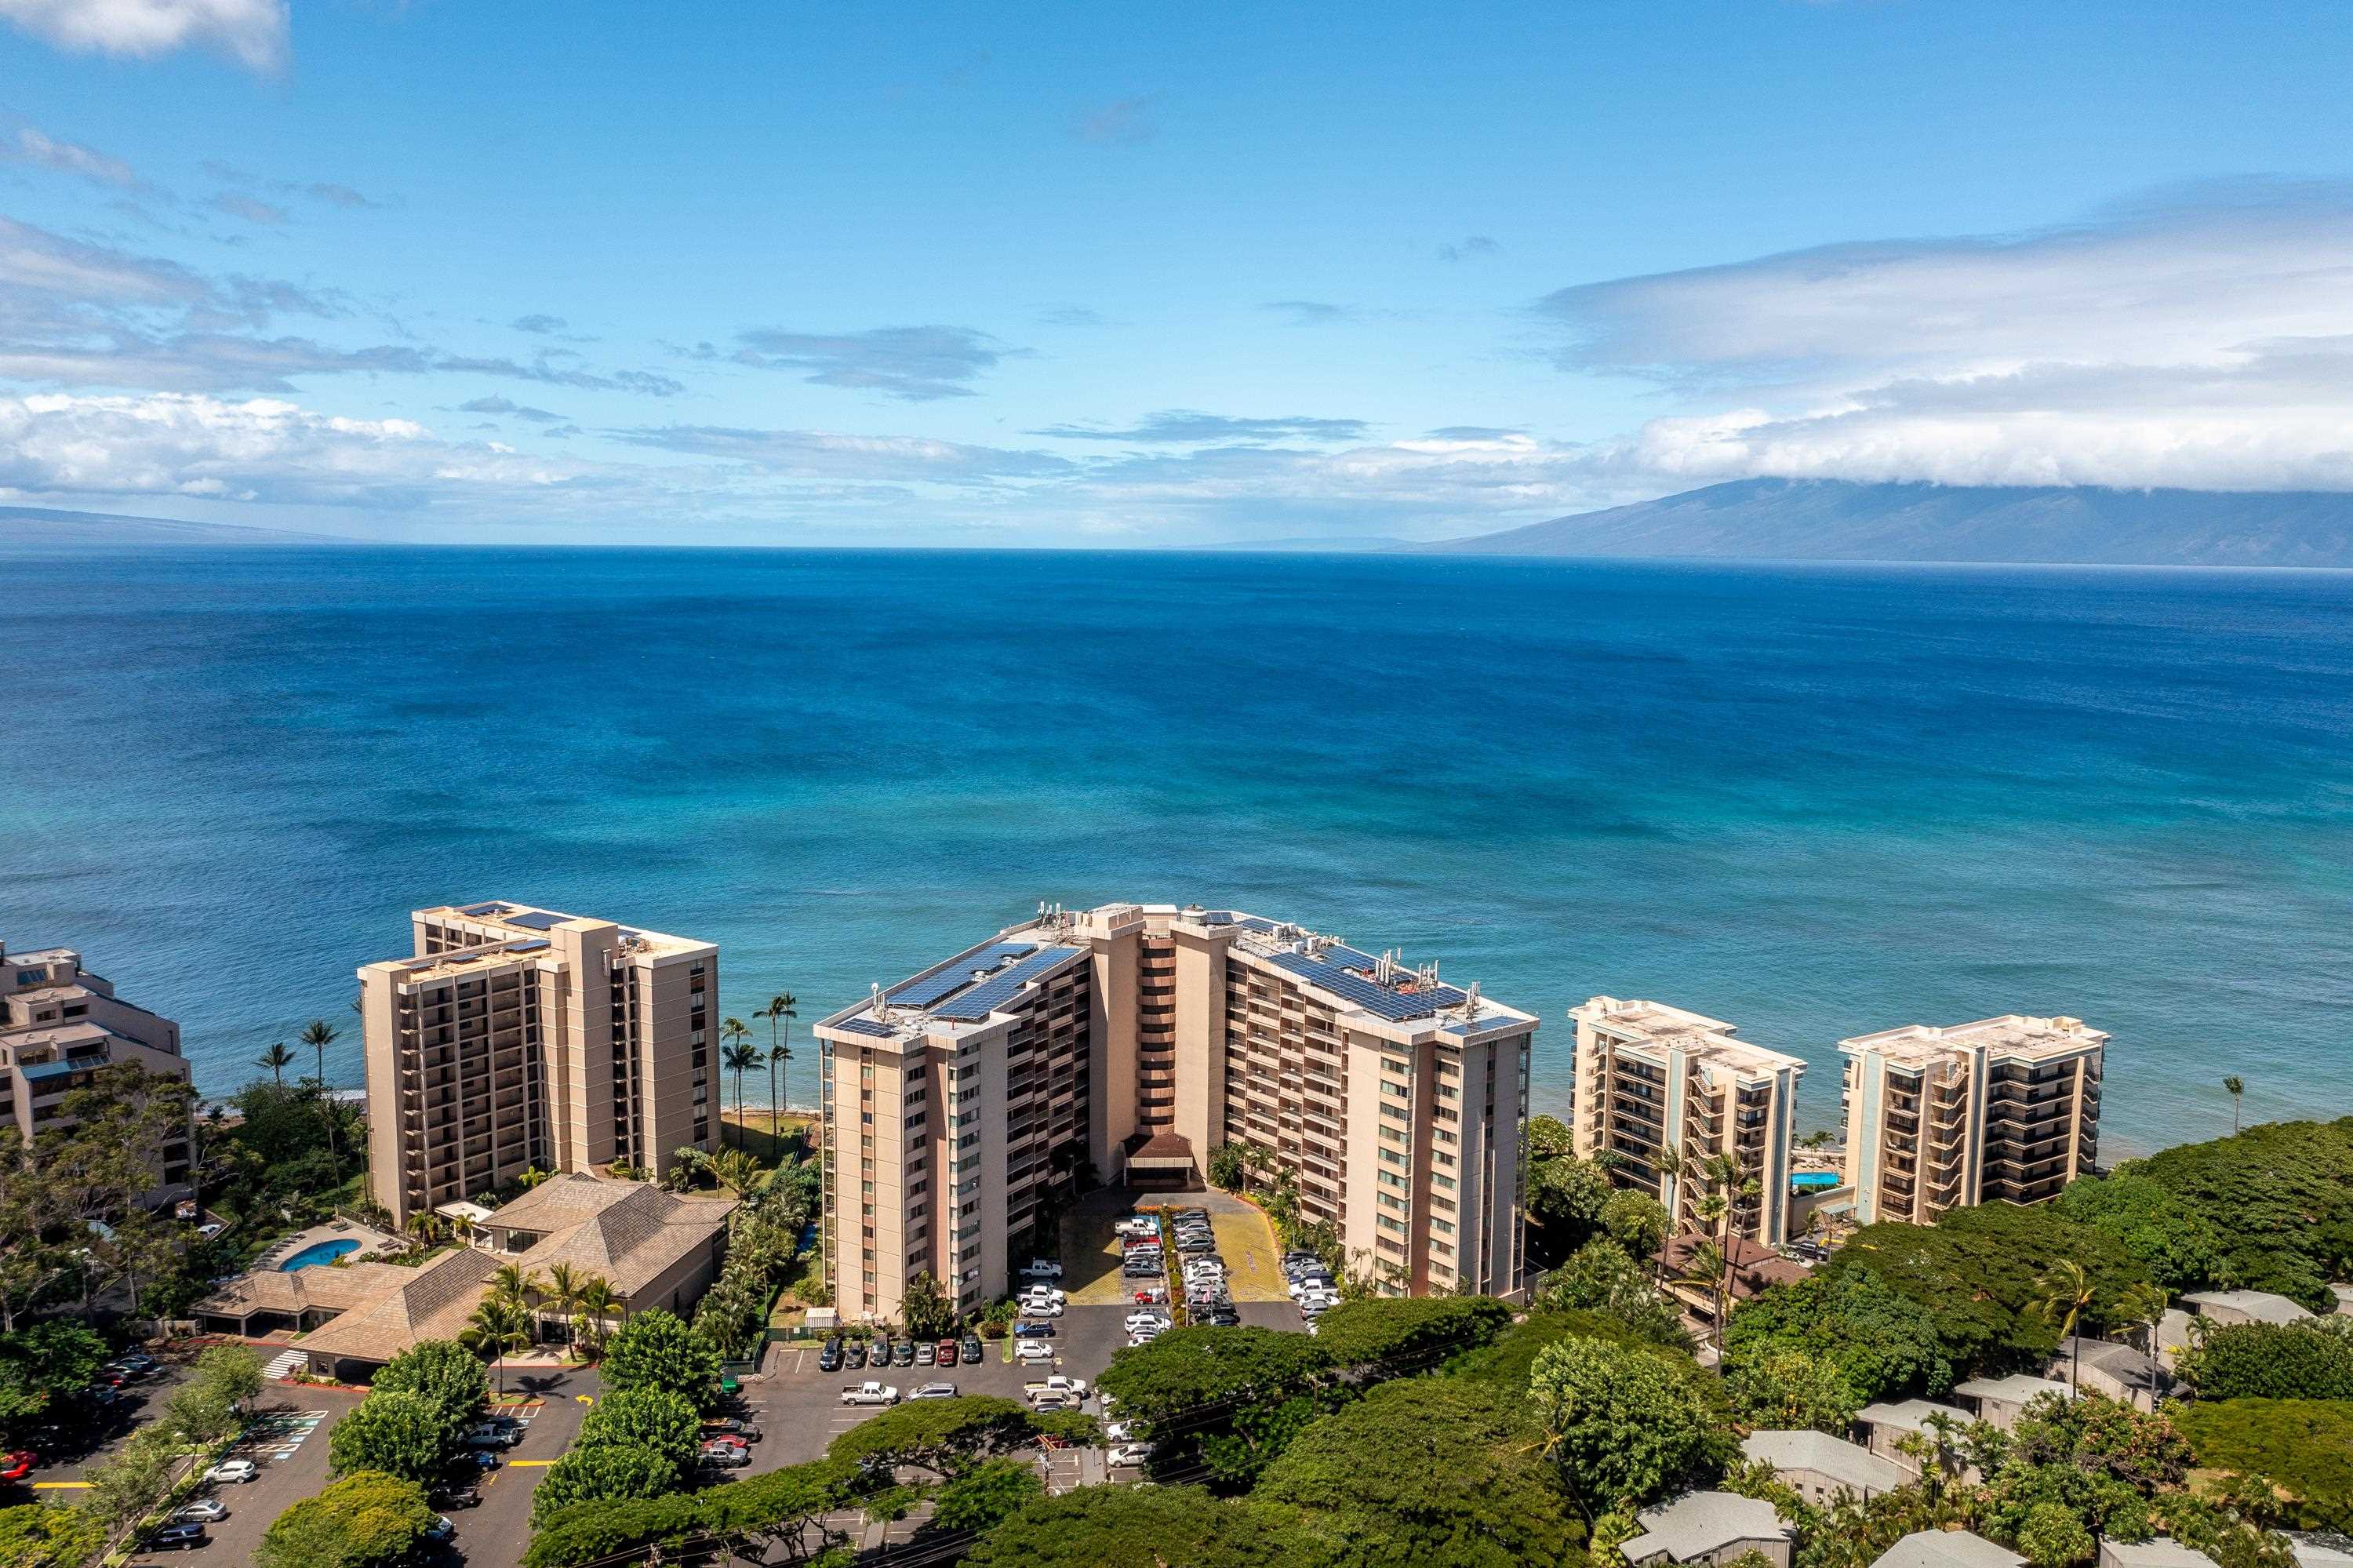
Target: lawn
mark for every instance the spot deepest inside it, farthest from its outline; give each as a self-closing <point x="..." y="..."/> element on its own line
<point x="765" y="1136"/>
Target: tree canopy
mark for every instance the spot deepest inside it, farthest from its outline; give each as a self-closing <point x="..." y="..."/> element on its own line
<point x="446" y="1376"/>
<point x="2300" y="1449"/>
<point x="1189" y="1368"/>
<point x="1883" y="1341"/>
<point x="2310" y="1360"/>
<point x="1167" y="1527"/>
<point x="2278" y="1199"/>
<point x="601" y="1472"/>
<point x="43" y="1362"/>
<point x="392" y="1432"/>
<point x="655" y="1349"/>
<point x="1415" y="1330"/>
<point x="989" y="1493"/>
<point x="662" y="1423"/>
<point x="1624" y="1426"/>
<point x="365" y="1518"/>
<point x="1427" y="1472"/>
<point x="942" y="1436"/>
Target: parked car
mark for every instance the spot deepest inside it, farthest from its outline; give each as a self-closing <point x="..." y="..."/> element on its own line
<point x="137" y="1365"/>
<point x="724" y="1426"/>
<point x="934" y="1390"/>
<point x="440" y="1532"/>
<point x="1042" y="1268"/>
<point x="232" y="1472"/>
<point x="877" y="1354"/>
<point x="1142" y="1271"/>
<point x="853" y="1354"/>
<point x="484" y="1459"/>
<point x="1146" y="1320"/>
<point x="454" y="1497"/>
<point x="1125" y="1454"/>
<point x="15" y="1465"/>
<point x="1033" y="1329"/>
<point x="830" y="1358"/>
<point x="490" y="1435"/>
<point x="927" y="1353"/>
<point x="870" y="1393"/>
<point x="204" y="1510"/>
<point x="178" y="1538"/>
<point x="1033" y="1351"/>
<point x="1123" y="1431"/>
<point x="902" y="1353"/>
<point x="724" y="1456"/>
<point x="1220" y="1318"/>
<point x="1137" y="1226"/>
<point x="946" y="1353"/>
<point x="971" y="1349"/>
<point x="1044" y="1293"/>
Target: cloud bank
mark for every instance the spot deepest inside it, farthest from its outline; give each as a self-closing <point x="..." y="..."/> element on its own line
<point x="251" y="32"/>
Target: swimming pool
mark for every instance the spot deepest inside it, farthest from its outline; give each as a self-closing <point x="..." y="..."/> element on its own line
<point x="1814" y="1180"/>
<point x="319" y="1252"/>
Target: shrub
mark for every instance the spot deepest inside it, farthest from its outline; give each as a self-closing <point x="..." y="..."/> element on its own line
<point x="2302" y="1448"/>
<point x="367" y="1517"/>
<point x="2271" y="1361"/>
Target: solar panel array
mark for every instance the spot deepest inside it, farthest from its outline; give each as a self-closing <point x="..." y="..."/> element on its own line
<point x="998" y="988"/>
<point x="929" y="988"/>
<point x="1362" y="990"/>
<point x="865" y="1026"/>
<point x="536" y="921"/>
<point x="483" y="909"/>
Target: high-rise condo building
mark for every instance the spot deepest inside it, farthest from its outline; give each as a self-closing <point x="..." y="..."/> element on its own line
<point x="61" y="1026"/>
<point x="1137" y="1038"/>
<point x="1663" y="1090"/>
<point x="2003" y="1109"/>
<point x="518" y="1037"/>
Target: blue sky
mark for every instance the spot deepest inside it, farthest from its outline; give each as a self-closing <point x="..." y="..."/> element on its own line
<point x="1026" y="274"/>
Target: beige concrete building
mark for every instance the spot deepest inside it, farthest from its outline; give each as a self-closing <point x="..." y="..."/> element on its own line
<point x="518" y="1037"/>
<point x="1663" y="1090"/>
<point x="2005" y="1109"/>
<point x="60" y="1027"/>
<point x="1138" y="1038"/>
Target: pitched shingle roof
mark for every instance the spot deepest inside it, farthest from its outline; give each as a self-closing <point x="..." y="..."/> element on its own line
<point x="1698" y="1523"/>
<point x="628" y="1233"/>
<point x="1946" y="1548"/>
<point x="434" y="1303"/>
<point x="1848" y="1464"/>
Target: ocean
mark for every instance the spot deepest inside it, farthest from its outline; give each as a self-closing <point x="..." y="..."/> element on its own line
<point x="1813" y="801"/>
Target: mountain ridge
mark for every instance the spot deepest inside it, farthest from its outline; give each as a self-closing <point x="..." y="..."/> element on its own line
<point x="1847" y="520"/>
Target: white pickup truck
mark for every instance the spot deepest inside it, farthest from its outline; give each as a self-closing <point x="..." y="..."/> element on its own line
<point x="1057" y="1388"/>
<point x="870" y="1393"/>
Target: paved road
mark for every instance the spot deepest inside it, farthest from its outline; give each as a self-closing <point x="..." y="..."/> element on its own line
<point x="287" y="1441"/>
<point x="496" y="1533"/>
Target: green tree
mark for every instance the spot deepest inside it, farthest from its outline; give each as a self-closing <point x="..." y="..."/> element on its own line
<point x="1637" y="1221"/>
<point x="944" y="1437"/>
<point x="2300" y="1452"/>
<point x="1787" y="1388"/>
<point x="592" y="1322"/>
<point x="2234" y="1087"/>
<point x="1400" y="1333"/>
<point x="2053" y="1537"/>
<point x="126" y="1485"/>
<point x="989" y="1493"/>
<point x="654" y="1349"/>
<point x="363" y="1519"/>
<point x="1883" y="1343"/>
<point x="738" y="1056"/>
<point x="444" y="1374"/>
<point x="1189" y="1368"/>
<point x="663" y="1423"/>
<point x="500" y="1326"/>
<point x="2279" y="1197"/>
<point x="41" y="1535"/>
<point x="1426" y="1472"/>
<point x="1228" y="1168"/>
<point x="205" y="1408"/>
<point x="1621" y="1424"/>
<point x="779" y="1011"/>
<point x="276" y="1060"/>
<point x="1602" y="1277"/>
<point x="927" y="1311"/>
<point x="392" y="1433"/>
<point x="1167" y="1527"/>
<point x="2269" y="1361"/>
<point x="603" y="1473"/>
<point x="2064" y="1294"/>
<point x="42" y="1362"/>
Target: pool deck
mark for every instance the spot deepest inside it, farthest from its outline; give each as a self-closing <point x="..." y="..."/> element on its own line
<point x="371" y="1242"/>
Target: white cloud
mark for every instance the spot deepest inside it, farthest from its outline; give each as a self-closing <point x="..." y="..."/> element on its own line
<point x="253" y="32"/>
<point x="2203" y="341"/>
<point x="30" y="144"/>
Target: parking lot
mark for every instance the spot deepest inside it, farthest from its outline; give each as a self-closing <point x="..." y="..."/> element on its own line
<point x="287" y="1443"/>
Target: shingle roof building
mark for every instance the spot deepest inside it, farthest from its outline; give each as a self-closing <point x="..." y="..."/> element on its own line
<point x="1695" y="1527"/>
<point x="1947" y="1549"/>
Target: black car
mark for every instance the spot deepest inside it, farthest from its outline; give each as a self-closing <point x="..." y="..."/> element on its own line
<point x="178" y="1537"/>
<point x="971" y="1349"/>
<point x="830" y="1358"/>
<point x="454" y="1497"/>
<point x="854" y="1354"/>
<point x="877" y="1355"/>
<point x="902" y="1354"/>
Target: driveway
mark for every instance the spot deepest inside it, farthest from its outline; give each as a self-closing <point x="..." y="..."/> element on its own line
<point x="550" y="1402"/>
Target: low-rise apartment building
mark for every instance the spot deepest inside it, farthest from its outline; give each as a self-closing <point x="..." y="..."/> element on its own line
<point x="2005" y="1109"/>
<point x="1138" y="1038"/>
<point x="1661" y="1091"/>
<point x="60" y="1026"/>
<point x="519" y="1037"/>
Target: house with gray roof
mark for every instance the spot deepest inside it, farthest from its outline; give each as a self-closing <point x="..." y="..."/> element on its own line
<point x="1713" y="1528"/>
<point x="2232" y="1307"/>
<point x="1885" y="1425"/>
<point x="2159" y="1552"/>
<point x="2121" y="1373"/>
<point x="1999" y="1401"/>
<point x="1947" y="1549"/>
<point x="1819" y="1466"/>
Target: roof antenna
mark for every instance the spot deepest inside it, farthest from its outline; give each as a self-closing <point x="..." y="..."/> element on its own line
<point x="1470" y="1001"/>
<point x="880" y="1003"/>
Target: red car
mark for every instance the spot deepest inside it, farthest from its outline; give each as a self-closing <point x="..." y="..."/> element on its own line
<point x="15" y="1467"/>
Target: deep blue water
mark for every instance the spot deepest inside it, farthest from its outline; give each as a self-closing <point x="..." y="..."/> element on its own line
<point x="1813" y="801"/>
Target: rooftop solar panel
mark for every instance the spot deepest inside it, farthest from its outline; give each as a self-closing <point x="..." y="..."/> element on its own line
<point x="533" y="946"/>
<point x="930" y="989"/>
<point x="998" y="988"/>
<point x="866" y="1026"/>
<point x="1362" y="990"/>
<point x="483" y="909"/>
<point x="537" y="921"/>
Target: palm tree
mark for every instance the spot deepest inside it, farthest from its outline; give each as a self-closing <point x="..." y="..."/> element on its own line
<point x="2143" y="1303"/>
<point x="739" y="1058"/>
<point x="426" y="1226"/>
<point x="2066" y="1295"/>
<point x="2236" y="1086"/>
<point x="563" y="1291"/>
<point x="1711" y="1258"/>
<point x="736" y="1170"/>
<point x="500" y="1325"/>
<point x="513" y="1284"/>
<point x="318" y="1034"/>
<point x="779" y="1011"/>
<point x="593" y="1303"/>
<point x="277" y="1059"/>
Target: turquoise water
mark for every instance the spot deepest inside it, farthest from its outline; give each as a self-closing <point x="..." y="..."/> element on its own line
<point x="1811" y="1180"/>
<point x="1813" y="801"/>
<point x="318" y="1253"/>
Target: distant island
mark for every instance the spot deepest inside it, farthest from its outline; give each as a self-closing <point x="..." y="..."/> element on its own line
<point x="1840" y="520"/>
<point x="43" y="528"/>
